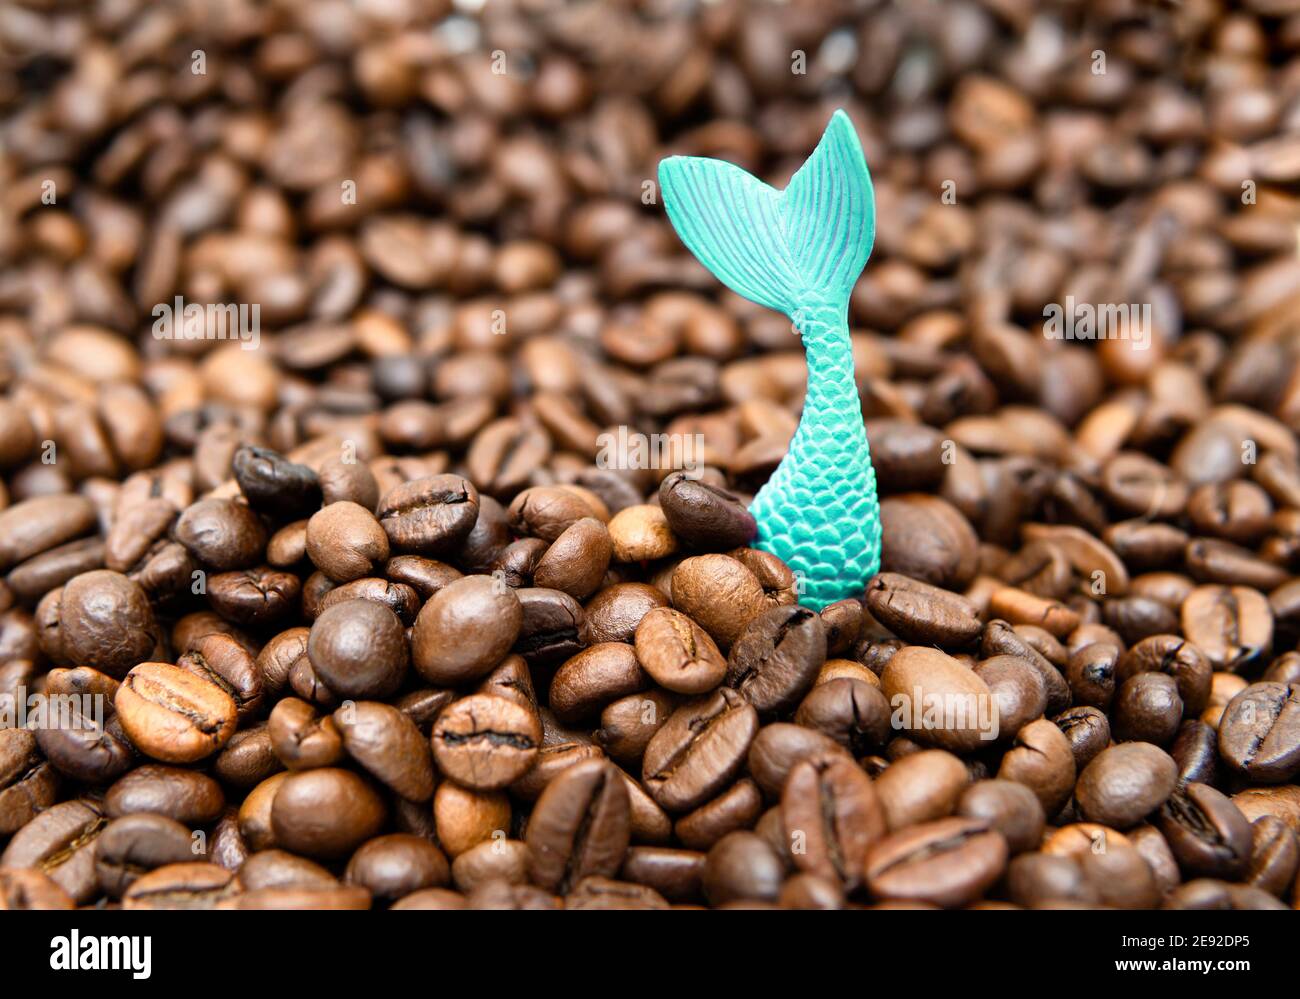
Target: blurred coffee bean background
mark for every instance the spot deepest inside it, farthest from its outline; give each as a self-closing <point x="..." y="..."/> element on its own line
<point x="457" y="203"/>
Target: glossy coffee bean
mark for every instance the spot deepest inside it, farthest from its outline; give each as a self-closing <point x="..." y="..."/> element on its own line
<point x="678" y="653"/>
<point x="325" y="813"/>
<point x="485" y="742"/>
<point x="1259" y="734"/>
<point x="465" y="629"/>
<point x="579" y="827"/>
<point x="949" y="862"/>
<point x="699" y="749"/>
<point x="358" y="648"/>
<point x="172" y="715"/>
<point x="830" y="805"/>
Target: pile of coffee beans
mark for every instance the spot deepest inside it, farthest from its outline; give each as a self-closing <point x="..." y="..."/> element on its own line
<point x="374" y="462"/>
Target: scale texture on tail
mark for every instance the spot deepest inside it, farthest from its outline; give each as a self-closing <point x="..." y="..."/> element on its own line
<point x="799" y="251"/>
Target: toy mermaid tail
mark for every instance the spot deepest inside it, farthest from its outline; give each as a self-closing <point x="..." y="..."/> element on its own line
<point x="799" y="251"/>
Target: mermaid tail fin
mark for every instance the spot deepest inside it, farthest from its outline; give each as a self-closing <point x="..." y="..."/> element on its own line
<point x="778" y="248"/>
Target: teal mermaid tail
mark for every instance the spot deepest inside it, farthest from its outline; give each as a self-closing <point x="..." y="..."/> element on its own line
<point x="799" y="251"/>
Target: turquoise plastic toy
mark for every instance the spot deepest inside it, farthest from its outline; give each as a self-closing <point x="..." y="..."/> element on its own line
<point x="799" y="251"/>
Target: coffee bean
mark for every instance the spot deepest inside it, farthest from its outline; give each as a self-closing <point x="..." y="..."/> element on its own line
<point x="60" y="843"/>
<point x="1274" y="856"/>
<point x="927" y="539"/>
<point x="678" y="653"/>
<point x="1206" y="832"/>
<point x="106" y="622"/>
<point x="776" y="658"/>
<point x="27" y="889"/>
<point x="1125" y="783"/>
<point x="36" y="525"/>
<point x="389" y="746"/>
<point x="938" y="701"/>
<point x="1259" y="734"/>
<point x="917" y="612"/>
<point x="923" y="786"/>
<point x="1231" y="625"/>
<point x="28" y="784"/>
<point x="325" y="813"/>
<point x="698" y="750"/>
<point x="577" y="560"/>
<point x="429" y="516"/>
<point x="346" y="542"/>
<point x="614" y="613"/>
<point x="832" y="807"/>
<point x="720" y="593"/>
<point x="189" y="797"/>
<point x="396" y="865"/>
<point x="485" y="742"/>
<point x="1010" y="808"/>
<point x="274" y="485"/>
<point x="465" y="629"/>
<point x="704" y="516"/>
<point x="579" y="827"/>
<point x="949" y="862"/>
<point x="188" y="885"/>
<point x="741" y="866"/>
<point x="136" y="844"/>
<point x="172" y="715"/>
<point x="359" y="649"/>
<point x="852" y="712"/>
<point x="224" y="662"/>
<point x="222" y="534"/>
<point x="593" y="678"/>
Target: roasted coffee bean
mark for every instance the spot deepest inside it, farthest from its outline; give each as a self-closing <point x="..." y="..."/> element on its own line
<point x="60" y="842"/>
<point x="1125" y="783"/>
<point x="133" y="845"/>
<point x="832" y="807"/>
<point x="389" y="746"/>
<point x="593" y="678"/>
<point x="614" y="613"/>
<point x="465" y="629"/>
<point x="301" y="738"/>
<point x="173" y="715"/>
<point x="222" y="534"/>
<point x="1087" y="731"/>
<point x="28" y="784"/>
<point x="577" y="560"/>
<point x="51" y="569"/>
<point x="188" y="796"/>
<point x="274" y="485"/>
<point x="358" y="648"/>
<point x="225" y="663"/>
<point x="938" y="701"/>
<point x="579" y="827"/>
<point x="703" y="515"/>
<point x="485" y="742"/>
<point x="247" y="759"/>
<point x="917" y="612"/>
<point x="36" y="525"/>
<point x="678" y="653"/>
<point x="736" y="808"/>
<point x="346" y="542"/>
<point x="741" y="865"/>
<point x="1017" y="689"/>
<point x="105" y="622"/>
<point x="1274" y="855"/>
<point x="1259" y="734"/>
<point x="1231" y="625"/>
<point x="776" y="658"/>
<point x="1010" y="808"/>
<point x="396" y="865"/>
<point x="325" y="813"/>
<point x="923" y="786"/>
<point x="279" y="869"/>
<point x="698" y="750"/>
<point x="928" y="540"/>
<point x="82" y="746"/>
<point x="1147" y="708"/>
<point x="27" y="889"/>
<point x="949" y="862"/>
<point x="254" y="596"/>
<point x="852" y="712"/>
<point x="188" y="885"/>
<point x="1206" y="832"/>
<point x="429" y="516"/>
<point x="1042" y="759"/>
<point x="1196" y="751"/>
<point x="720" y="593"/>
